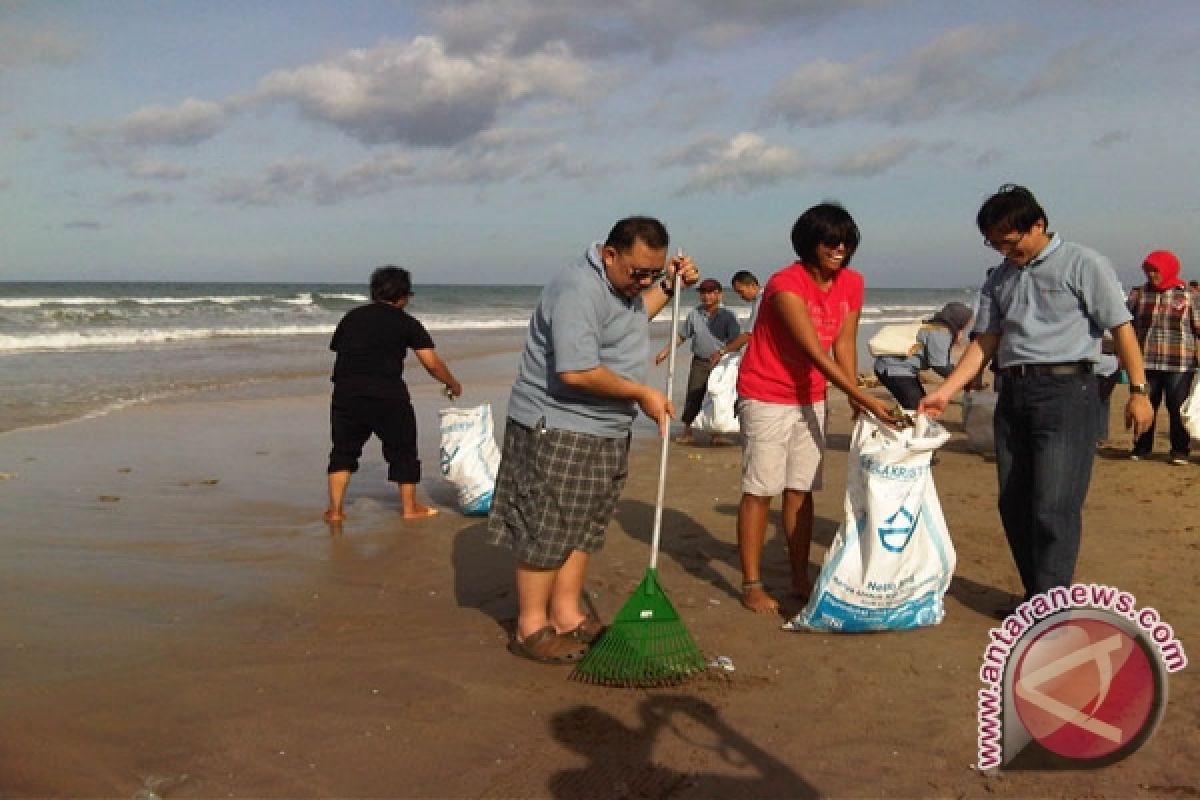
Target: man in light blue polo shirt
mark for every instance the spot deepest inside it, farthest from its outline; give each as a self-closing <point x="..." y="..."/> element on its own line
<point x="1042" y="314"/>
<point x="580" y="383"/>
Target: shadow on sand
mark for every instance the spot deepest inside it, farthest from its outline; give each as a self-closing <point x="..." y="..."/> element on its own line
<point x="621" y="758"/>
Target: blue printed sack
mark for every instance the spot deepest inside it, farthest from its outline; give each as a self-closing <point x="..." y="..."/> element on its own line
<point x="891" y="561"/>
<point x="469" y="456"/>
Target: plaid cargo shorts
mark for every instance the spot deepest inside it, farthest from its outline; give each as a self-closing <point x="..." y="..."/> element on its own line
<point x="555" y="492"/>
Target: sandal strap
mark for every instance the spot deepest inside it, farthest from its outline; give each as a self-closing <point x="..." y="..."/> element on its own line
<point x="547" y="646"/>
<point x="588" y="631"/>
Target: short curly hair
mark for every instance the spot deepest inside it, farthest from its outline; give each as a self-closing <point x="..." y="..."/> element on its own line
<point x="389" y="284"/>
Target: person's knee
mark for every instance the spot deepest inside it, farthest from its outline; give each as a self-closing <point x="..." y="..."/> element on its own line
<point x="756" y="502"/>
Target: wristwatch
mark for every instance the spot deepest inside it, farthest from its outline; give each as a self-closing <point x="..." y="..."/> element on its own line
<point x="1139" y="388"/>
<point x="667" y="288"/>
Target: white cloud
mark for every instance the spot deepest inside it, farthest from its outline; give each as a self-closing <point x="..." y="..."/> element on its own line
<point x="1065" y="69"/>
<point x="20" y="47"/>
<point x="602" y="29"/>
<point x="120" y="142"/>
<point x="875" y="160"/>
<point x="742" y="162"/>
<point x="191" y="122"/>
<point x="746" y="161"/>
<point x="491" y="157"/>
<point x="280" y="182"/>
<point x="509" y="154"/>
<point x="414" y="92"/>
<point x="376" y="176"/>
<point x="561" y="162"/>
<point x="951" y="72"/>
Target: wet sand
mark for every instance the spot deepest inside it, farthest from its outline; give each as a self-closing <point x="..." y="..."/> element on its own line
<point x="175" y="617"/>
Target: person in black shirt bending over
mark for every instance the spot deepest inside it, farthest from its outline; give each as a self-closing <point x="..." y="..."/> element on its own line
<point x="369" y="393"/>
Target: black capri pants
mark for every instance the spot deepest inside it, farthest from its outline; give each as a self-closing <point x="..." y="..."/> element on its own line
<point x="352" y="420"/>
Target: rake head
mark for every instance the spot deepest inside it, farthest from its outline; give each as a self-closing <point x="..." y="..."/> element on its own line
<point x="646" y="645"/>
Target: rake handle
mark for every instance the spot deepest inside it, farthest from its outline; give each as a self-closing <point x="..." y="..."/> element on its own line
<point x="666" y="439"/>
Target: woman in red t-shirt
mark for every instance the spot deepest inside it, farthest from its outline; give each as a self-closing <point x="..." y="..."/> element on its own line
<point x="805" y="335"/>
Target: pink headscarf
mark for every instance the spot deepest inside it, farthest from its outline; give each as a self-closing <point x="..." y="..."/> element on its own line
<point x="1168" y="269"/>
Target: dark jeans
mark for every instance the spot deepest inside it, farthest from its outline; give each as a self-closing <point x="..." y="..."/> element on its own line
<point x="1104" y="389"/>
<point x="907" y="390"/>
<point x="1045" y="428"/>
<point x="1174" y="386"/>
<point x="697" y="387"/>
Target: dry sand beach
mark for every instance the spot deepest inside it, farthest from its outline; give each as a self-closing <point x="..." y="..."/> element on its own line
<point x="176" y="620"/>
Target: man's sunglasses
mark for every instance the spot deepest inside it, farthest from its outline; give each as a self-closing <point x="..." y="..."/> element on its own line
<point x="641" y="274"/>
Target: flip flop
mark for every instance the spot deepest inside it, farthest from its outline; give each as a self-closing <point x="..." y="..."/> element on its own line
<point x="588" y="631"/>
<point x="547" y="647"/>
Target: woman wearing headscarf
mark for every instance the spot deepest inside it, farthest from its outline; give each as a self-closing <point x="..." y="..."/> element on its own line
<point x="935" y="340"/>
<point x="1166" y="320"/>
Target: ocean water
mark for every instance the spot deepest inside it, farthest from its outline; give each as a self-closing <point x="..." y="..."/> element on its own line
<point x="75" y="349"/>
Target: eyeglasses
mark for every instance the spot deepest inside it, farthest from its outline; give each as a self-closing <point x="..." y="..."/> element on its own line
<point x="1004" y="246"/>
<point x="642" y="274"/>
<point x="834" y="244"/>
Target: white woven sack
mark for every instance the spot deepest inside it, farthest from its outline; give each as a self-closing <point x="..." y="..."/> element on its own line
<point x="1190" y="410"/>
<point x="891" y="561"/>
<point x="469" y="456"/>
<point x="718" y="414"/>
<point x="897" y="339"/>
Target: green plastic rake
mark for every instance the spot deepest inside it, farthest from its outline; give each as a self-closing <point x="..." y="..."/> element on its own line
<point x="646" y="644"/>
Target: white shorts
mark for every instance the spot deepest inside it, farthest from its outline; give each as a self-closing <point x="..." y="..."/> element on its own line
<point x="784" y="446"/>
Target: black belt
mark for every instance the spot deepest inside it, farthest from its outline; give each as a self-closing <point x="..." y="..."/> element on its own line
<point x="1026" y="370"/>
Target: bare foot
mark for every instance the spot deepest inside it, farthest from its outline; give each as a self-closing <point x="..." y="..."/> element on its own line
<point x="719" y="441"/>
<point x="419" y="511"/>
<point x="756" y="599"/>
<point x="685" y="438"/>
<point x="333" y="516"/>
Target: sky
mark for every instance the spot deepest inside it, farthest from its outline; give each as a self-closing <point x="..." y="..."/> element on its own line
<point x="490" y="141"/>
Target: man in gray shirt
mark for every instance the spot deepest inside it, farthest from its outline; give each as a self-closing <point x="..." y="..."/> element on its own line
<point x="710" y="326"/>
<point x="579" y="386"/>
<point x="1042" y="313"/>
